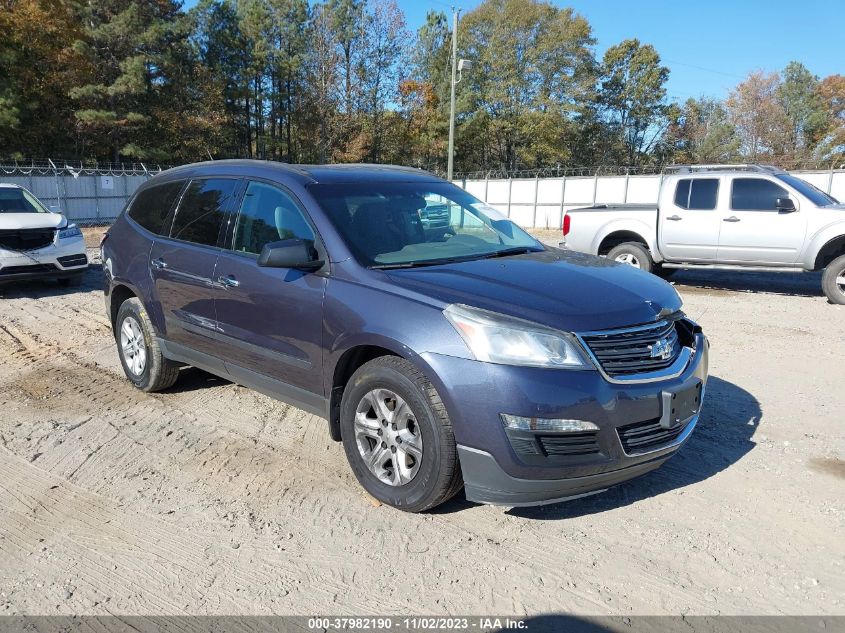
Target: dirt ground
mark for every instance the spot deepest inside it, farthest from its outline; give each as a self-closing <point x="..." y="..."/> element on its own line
<point x="213" y="499"/>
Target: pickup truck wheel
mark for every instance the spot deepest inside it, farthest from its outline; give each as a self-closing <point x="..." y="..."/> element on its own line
<point x="633" y="254"/>
<point x="139" y="351"/>
<point x="398" y="437"/>
<point x="833" y="280"/>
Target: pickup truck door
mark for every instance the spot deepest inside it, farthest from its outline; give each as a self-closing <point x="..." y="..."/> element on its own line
<point x="689" y="222"/>
<point x="754" y="231"/>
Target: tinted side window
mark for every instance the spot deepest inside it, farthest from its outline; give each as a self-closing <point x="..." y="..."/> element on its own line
<point x="202" y="209"/>
<point x="682" y="193"/>
<point x="151" y="206"/>
<point x="268" y="214"/>
<point x="755" y="194"/>
<point x="697" y="194"/>
<point x="703" y="194"/>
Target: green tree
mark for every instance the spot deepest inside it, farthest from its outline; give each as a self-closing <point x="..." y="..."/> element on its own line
<point x="701" y="132"/>
<point x="134" y="51"/>
<point x="36" y="73"/>
<point x="533" y="69"/>
<point x="759" y="118"/>
<point x="633" y="96"/>
<point x="805" y="112"/>
<point x="223" y="58"/>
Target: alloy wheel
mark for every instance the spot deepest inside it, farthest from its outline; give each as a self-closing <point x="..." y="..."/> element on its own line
<point x="133" y="346"/>
<point x="388" y="437"/>
<point x="628" y="258"/>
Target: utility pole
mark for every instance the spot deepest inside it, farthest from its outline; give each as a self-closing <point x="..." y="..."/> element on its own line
<point x="451" y="158"/>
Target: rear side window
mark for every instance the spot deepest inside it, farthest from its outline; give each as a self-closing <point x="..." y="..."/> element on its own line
<point x="152" y="205"/>
<point x="268" y="214"/>
<point x="698" y="194"/>
<point x="201" y="211"/>
<point x="755" y="194"/>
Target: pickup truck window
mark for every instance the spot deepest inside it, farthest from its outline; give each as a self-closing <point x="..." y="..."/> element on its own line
<point x="697" y="194"/>
<point x="815" y="195"/>
<point x="755" y="194"/>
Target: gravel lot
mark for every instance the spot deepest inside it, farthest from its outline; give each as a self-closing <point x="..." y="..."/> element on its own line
<point x="213" y="499"/>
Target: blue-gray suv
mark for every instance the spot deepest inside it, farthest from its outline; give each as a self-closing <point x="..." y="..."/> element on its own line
<point x="460" y="353"/>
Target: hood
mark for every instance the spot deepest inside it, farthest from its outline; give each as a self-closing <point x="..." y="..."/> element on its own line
<point x="560" y="289"/>
<point x="12" y="221"/>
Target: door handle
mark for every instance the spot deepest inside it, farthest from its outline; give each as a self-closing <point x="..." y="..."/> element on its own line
<point x="228" y="281"/>
<point x="159" y="263"/>
<point x="733" y="218"/>
<point x="674" y="218"/>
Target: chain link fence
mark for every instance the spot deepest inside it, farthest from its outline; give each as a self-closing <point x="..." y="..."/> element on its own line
<point x="87" y="193"/>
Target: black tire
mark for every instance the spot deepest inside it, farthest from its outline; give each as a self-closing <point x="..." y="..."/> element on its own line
<point x="638" y="252"/>
<point x="158" y="372"/>
<point x="438" y="477"/>
<point x="74" y="282"/>
<point x="835" y="270"/>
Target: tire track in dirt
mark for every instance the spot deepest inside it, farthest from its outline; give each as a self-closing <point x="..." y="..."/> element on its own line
<point x="218" y="460"/>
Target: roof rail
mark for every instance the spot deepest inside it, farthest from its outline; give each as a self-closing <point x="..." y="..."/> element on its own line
<point x="691" y="169"/>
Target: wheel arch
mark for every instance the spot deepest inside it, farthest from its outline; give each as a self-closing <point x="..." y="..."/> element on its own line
<point x="347" y="363"/>
<point x="621" y="234"/>
<point x="119" y="293"/>
<point x="832" y="249"/>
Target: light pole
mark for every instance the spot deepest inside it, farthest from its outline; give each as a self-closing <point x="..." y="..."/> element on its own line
<point x="450" y="159"/>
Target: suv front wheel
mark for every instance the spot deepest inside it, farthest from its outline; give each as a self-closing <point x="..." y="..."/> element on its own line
<point x="140" y="354"/>
<point x="833" y="280"/>
<point x="398" y="437"/>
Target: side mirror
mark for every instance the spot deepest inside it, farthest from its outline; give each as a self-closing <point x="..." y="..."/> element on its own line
<point x="292" y="253"/>
<point x="785" y="205"/>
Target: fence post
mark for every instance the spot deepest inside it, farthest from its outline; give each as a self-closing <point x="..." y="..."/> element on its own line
<point x="536" y="195"/>
<point x="562" y="199"/>
<point x="830" y="181"/>
<point x="510" y="194"/>
<point x="625" y="196"/>
<point x="486" y="185"/>
<point x="595" y="186"/>
<point x="58" y="192"/>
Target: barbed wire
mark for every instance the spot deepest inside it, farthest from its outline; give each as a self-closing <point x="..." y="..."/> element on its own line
<point x="605" y="170"/>
<point x="75" y="168"/>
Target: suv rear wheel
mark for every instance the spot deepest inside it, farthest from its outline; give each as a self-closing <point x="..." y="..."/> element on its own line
<point x="398" y="437"/>
<point x="633" y="254"/>
<point x="140" y="354"/>
<point x="833" y="280"/>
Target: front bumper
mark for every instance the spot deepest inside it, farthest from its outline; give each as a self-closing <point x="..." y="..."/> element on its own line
<point x="62" y="258"/>
<point x="498" y="469"/>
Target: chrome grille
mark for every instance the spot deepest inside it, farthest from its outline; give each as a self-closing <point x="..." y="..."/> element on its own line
<point x="632" y="351"/>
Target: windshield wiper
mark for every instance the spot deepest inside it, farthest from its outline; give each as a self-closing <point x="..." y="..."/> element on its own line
<point x="419" y="264"/>
<point x="517" y="250"/>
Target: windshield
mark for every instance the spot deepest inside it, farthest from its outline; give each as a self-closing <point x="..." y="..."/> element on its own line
<point x="14" y="200"/>
<point x="815" y="195"/>
<point x="402" y="224"/>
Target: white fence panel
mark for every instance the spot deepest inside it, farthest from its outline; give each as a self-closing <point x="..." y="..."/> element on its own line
<point x="579" y="191"/>
<point x="643" y="189"/>
<point x="837" y="187"/>
<point x="555" y="196"/>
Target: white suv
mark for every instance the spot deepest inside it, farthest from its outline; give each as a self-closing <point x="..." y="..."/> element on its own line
<point x="37" y="243"/>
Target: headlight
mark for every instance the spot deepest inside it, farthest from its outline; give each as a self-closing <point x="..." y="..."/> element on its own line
<point x="70" y="231"/>
<point x="497" y="338"/>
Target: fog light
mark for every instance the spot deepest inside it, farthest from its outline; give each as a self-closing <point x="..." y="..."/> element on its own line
<point x="547" y="424"/>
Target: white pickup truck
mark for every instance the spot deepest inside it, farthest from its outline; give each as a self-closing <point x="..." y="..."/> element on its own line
<point x="729" y="217"/>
